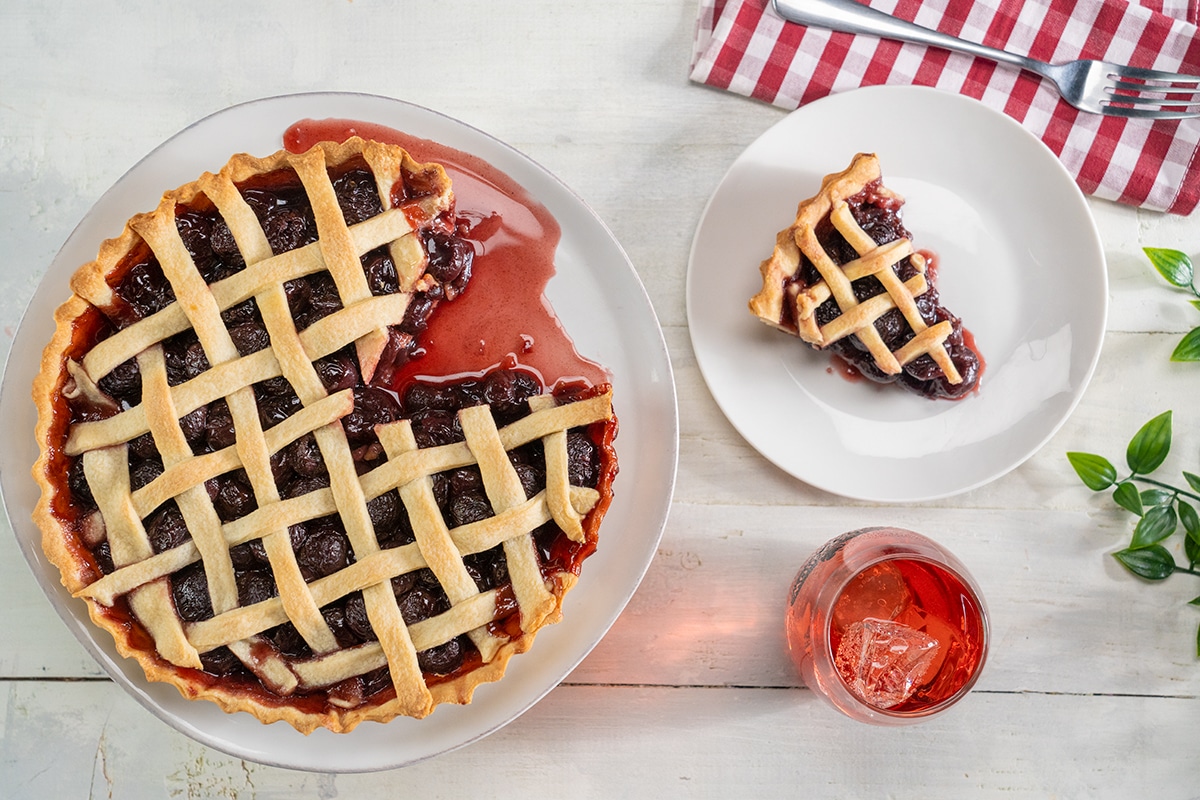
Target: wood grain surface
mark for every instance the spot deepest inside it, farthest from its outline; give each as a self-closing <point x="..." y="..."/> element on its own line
<point x="1091" y="686"/>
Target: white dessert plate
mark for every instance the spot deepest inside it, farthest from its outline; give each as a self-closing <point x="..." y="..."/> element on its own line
<point x="1019" y="260"/>
<point x="603" y="307"/>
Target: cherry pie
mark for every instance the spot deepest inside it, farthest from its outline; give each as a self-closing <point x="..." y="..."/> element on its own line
<point x="244" y="498"/>
<point x="845" y="277"/>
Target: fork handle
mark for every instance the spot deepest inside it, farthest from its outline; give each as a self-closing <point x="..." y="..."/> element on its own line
<point x="851" y="17"/>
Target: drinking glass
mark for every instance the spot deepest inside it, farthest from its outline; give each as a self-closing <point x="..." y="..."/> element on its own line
<point x="887" y="626"/>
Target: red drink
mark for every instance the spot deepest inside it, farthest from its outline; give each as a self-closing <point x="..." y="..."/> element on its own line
<point x="887" y="626"/>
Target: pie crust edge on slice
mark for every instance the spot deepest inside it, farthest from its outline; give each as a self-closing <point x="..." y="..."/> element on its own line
<point x="63" y="542"/>
<point x="788" y="303"/>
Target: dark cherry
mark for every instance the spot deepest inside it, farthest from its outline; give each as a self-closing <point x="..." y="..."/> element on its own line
<point x="250" y="337"/>
<point x="195" y="425"/>
<point x="249" y="555"/>
<point x="489" y="569"/>
<point x="245" y="311"/>
<point x="287" y="229"/>
<point x="337" y="371"/>
<point x="418" y="604"/>
<point x="224" y="246"/>
<point x="323" y="554"/>
<point x="123" y="383"/>
<point x="372" y="406"/>
<point x="299" y="296"/>
<point x="583" y="460"/>
<point x="441" y="491"/>
<point x="304" y="456"/>
<point x="303" y="485"/>
<point x="450" y="257"/>
<point x="144" y="472"/>
<point x="357" y="195"/>
<point x="274" y="409"/>
<point x="508" y="393"/>
<point x="77" y="482"/>
<point x="376" y="681"/>
<point x="466" y="479"/>
<point x="221" y="661"/>
<point x="416" y="316"/>
<point x="234" y="498"/>
<point x="436" y="427"/>
<point x="443" y="659"/>
<point x="384" y="511"/>
<point x="189" y="587"/>
<point x="255" y="586"/>
<point x="324" y="299"/>
<point x="185" y="358"/>
<point x="533" y="480"/>
<point x="427" y="396"/>
<point x="469" y="507"/>
<point x="219" y="426"/>
<point x="143" y="446"/>
<point x="356" y="618"/>
<point x="289" y="641"/>
<point x="167" y="529"/>
<point x="335" y="618"/>
<point x="145" y="288"/>
<point x="103" y="554"/>
<point x="381" y="272"/>
<point x="402" y="584"/>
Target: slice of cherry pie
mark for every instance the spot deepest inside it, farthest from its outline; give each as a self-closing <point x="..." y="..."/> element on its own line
<point x="244" y="498"/>
<point x="844" y="277"/>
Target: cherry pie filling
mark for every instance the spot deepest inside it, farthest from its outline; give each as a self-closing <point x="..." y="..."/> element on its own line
<point x="878" y="215"/>
<point x="321" y="545"/>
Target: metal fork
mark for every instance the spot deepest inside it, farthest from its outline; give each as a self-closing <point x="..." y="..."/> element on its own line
<point x="1097" y="87"/>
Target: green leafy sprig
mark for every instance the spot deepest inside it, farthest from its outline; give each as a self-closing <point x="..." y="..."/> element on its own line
<point x="1176" y="268"/>
<point x="1161" y="508"/>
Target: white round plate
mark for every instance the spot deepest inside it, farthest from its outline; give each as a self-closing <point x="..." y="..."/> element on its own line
<point x="603" y="307"/>
<point x="1020" y="261"/>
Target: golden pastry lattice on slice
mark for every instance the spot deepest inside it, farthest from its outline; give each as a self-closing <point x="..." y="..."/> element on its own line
<point x="845" y="277"/>
<point x="230" y="483"/>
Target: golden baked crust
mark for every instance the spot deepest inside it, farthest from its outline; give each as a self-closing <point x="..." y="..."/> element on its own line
<point x="802" y="275"/>
<point x="133" y="599"/>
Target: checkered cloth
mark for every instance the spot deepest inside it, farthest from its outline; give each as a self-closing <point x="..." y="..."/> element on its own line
<point x="741" y="45"/>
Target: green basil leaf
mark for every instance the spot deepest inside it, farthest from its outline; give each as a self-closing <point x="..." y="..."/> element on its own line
<point x="1188" y="348"/>
<point x="1195" y="601"/>
<point x="1190" y="520"/>
<point x="1153" y="563"/>
<point x="1157" y="497"/>
<point x="1157" y="524"/>
<point x="1149" y="446"/>
<point x="1195" y="304"/>
<point x="1097" y="472"/>
<point x="1127" y="497"/>
<point x="1173" y="265"/>
<point x="1198" y="642"/>
<point x="1192" y="479"/>
<point x="1191" y="549"/>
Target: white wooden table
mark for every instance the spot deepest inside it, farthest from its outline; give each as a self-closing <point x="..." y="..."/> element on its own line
<point x="1091" y="688"/>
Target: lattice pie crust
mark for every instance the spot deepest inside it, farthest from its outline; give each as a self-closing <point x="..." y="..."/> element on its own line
<point x="321" y="690"/>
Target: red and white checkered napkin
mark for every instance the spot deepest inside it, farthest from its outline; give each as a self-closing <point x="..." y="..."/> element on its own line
<point x="742" y="46"/>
